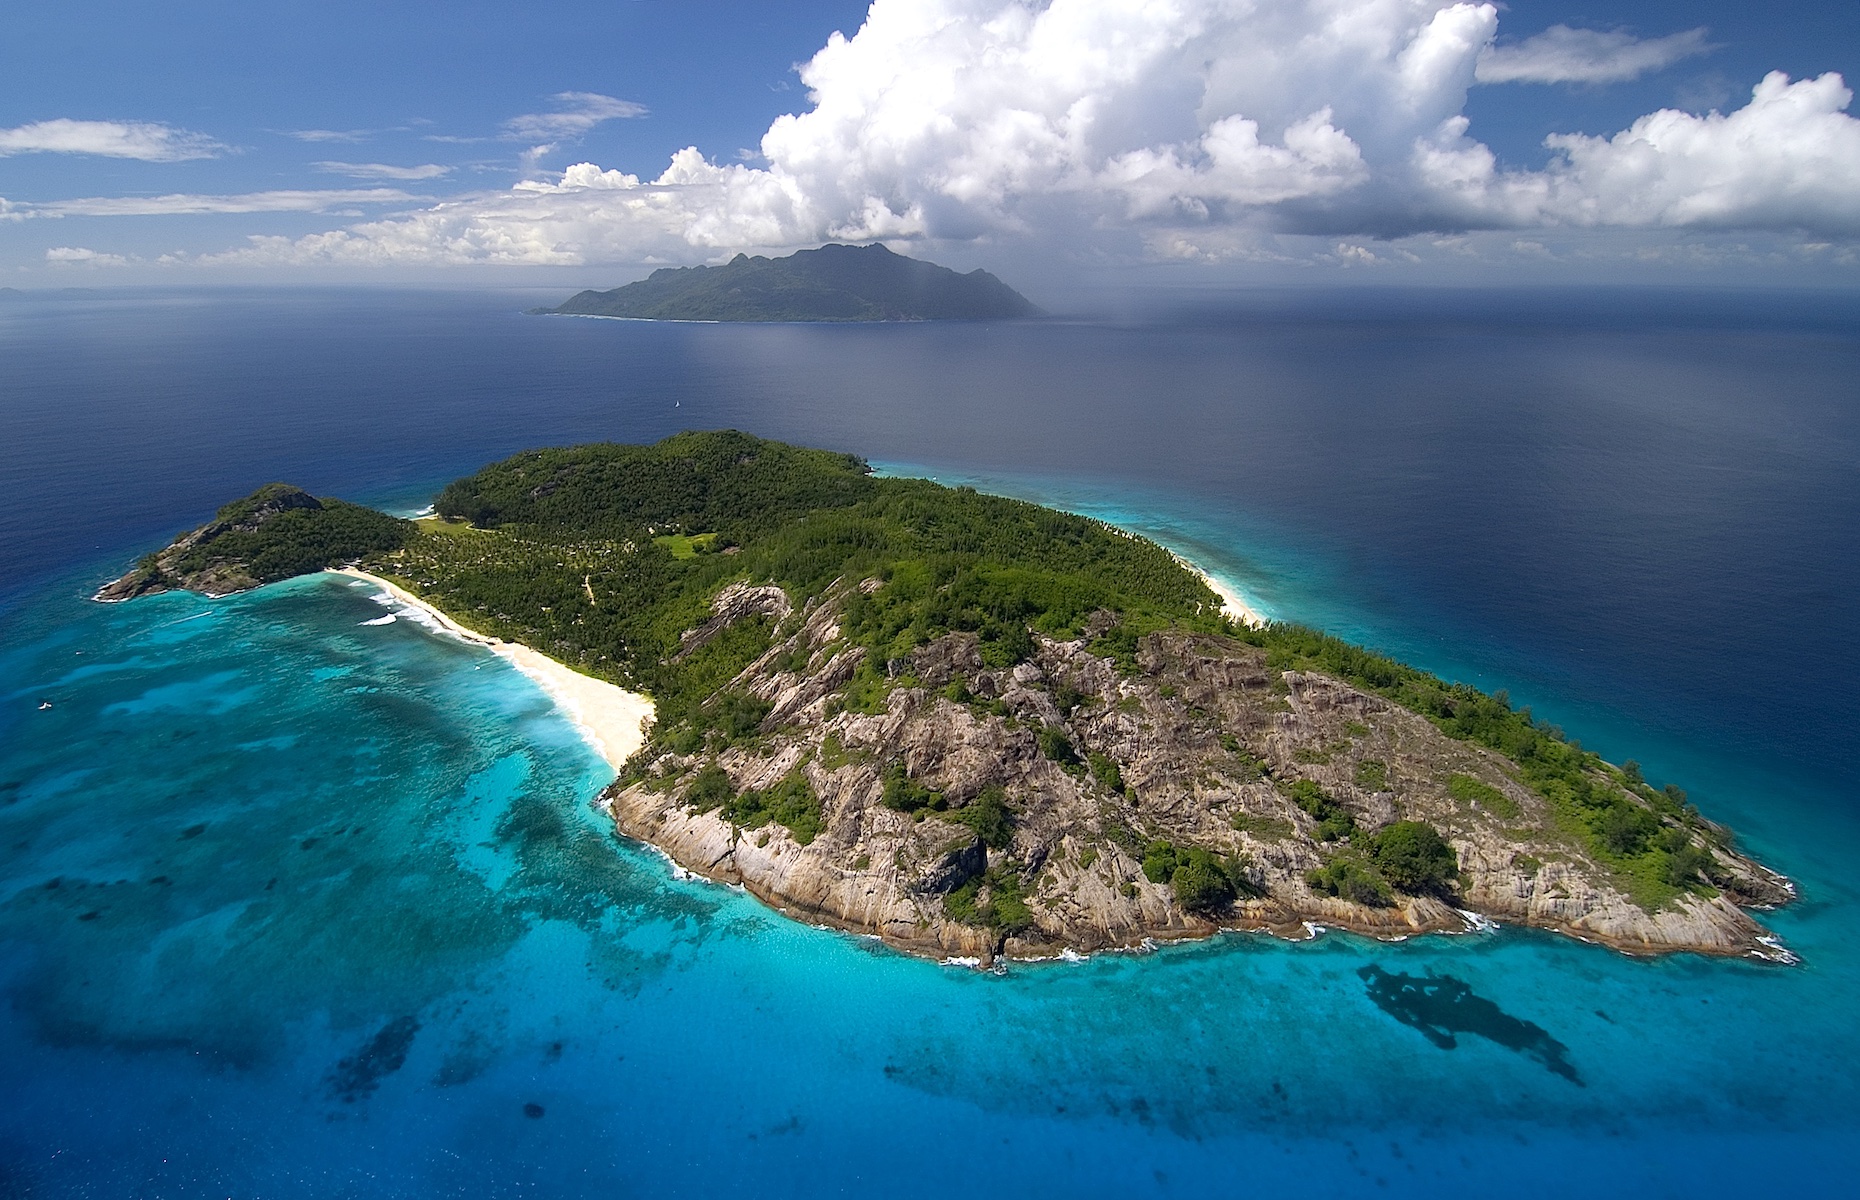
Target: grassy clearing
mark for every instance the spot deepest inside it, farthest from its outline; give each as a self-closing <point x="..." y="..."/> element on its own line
<point x="437" y="526"/>
<point x="684" y="547"/>
<point x="1468" y="790"/>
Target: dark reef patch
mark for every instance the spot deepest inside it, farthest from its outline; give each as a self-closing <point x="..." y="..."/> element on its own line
<point x="1441" y="1006"/>
<point x="356" y="1077"/>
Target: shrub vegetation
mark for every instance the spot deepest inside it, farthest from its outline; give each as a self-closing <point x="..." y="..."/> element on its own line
<point x="1202" y="881"/>
<point x="1334" y="820"/>
<point x="1414" y="858"/>
<point x="790" y="803"/>
<point x="1352" y="880"/>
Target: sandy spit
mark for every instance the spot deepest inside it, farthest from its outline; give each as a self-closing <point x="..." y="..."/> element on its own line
<point x="610" y="719"/>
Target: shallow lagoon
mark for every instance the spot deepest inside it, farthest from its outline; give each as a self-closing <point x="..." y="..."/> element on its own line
<point x="331" y="915"/>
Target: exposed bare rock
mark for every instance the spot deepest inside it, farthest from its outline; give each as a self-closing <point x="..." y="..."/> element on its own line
<point x="732" y="604"/>
<point x="1206" y="744"/>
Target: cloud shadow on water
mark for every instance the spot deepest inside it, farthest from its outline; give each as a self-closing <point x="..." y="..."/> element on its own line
<point x="1441" y="1006"/>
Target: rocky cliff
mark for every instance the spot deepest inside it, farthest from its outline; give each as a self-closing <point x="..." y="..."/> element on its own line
<point x="1073" y="803"/>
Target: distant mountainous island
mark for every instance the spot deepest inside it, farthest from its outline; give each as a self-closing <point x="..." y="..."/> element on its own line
<point x="67" y="293"/>
<point x="833" y="283"/>
<point x="973" y="726"/>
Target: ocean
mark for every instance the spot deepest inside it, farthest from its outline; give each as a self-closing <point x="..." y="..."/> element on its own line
<point x="294" y="904"/>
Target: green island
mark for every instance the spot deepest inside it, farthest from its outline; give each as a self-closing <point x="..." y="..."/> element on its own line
<point x="832" y="283"/>
<point x="974" y="726"/>
<point x="277" y="532"/>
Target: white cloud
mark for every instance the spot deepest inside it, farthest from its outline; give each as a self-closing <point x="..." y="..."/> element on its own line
<point x="1348" y="254"/>
<point x="964" y="118"/>
<point x="190" y="205"/>
<point x="382" y="170"/>
<point x="79" y="256"/>
<point x="330" y="135"/>
<point x="1790" y="159"/>
<point x="595" y="216"/>
<point x="1563" y="55"/>
<point x="580" y="112"/>
<point x="146" y="140"/>
<point x="1196" y="129"/>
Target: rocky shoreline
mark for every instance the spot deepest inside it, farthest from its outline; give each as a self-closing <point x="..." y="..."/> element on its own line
<point x="1205" y="740"/>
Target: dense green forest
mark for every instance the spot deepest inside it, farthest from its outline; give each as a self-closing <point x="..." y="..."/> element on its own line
<point x="589" y="553"/>
<point x="604" y="555"/>
<point x="285" y="541"/>
<point x="275" y="533"/>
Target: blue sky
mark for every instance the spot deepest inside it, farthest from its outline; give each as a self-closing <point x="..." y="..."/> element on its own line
<point x="1303" y="138"/>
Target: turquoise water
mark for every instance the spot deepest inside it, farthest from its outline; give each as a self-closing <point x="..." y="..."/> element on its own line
<point x="326" y="901"/>
<point x="292" y="904"/>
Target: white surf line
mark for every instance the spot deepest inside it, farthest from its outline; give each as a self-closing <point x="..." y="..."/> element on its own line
<point x="610" y="719"/>
<point x="1233" y="604"/>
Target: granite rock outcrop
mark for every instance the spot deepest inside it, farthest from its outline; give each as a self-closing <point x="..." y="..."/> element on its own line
<point x="1194" y="745"/>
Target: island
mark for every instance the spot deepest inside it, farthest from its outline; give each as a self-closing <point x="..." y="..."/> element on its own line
<point x="833" y="283"/>
<point x="975" y="727"/>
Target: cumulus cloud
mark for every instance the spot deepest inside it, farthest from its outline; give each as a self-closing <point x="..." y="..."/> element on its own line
<point x="382" y="170"/>
<point x="1177" y="128"/>
<point x="1790" y="159"/>
<point x="149" y="141"/>
<point x="82" y="257"/>
<point x="191" y="205"/>
<point x="590" y="216"/>
<point x="1563" y="55"/>
<point x="579" y="112"/>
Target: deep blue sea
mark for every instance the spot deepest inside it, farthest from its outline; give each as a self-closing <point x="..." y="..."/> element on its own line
<point x="295" y="905"/>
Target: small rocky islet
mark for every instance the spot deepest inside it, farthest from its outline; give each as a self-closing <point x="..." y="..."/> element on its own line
<point x="974" y="727"/>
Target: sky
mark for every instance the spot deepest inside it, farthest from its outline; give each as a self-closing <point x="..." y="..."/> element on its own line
<point x="573" y="141"/>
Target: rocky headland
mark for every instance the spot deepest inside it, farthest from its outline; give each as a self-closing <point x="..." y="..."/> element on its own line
<point x="275" y="533"/>
<point x="1110" y="775"/>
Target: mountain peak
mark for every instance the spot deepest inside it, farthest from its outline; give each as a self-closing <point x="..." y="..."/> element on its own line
<point x="834" y="282"/>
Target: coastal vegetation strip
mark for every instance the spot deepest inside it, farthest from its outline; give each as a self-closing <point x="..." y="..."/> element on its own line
<point x="975" y="725"/>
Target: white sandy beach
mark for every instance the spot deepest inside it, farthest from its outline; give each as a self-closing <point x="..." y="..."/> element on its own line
<point x="611" y="719"/>
<point x="1232" y="603"/>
